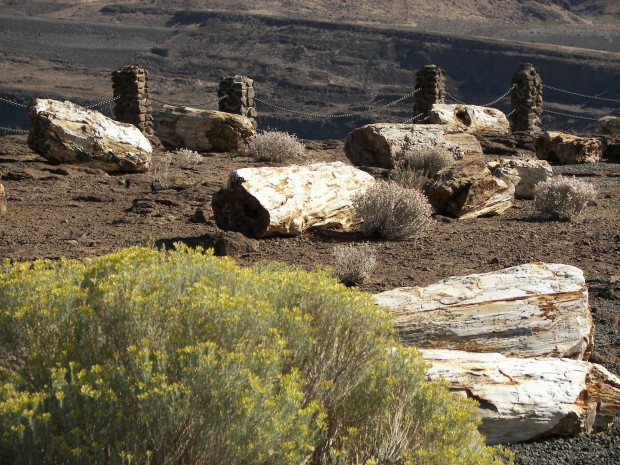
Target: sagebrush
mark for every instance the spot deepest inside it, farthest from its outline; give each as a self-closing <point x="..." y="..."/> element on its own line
<point x="188" y="158"/>
<point x="275" y="146"/>
<point x="390" y="211"/>
<point x="160" y="171"/>
<point x="417" y="166"/>
<point x="153" y="357"/>
<point x="353" y="263"/>
<point x="563" y="197"/>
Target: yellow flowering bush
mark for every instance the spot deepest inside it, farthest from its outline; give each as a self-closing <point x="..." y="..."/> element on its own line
<point x="153" y="357"/>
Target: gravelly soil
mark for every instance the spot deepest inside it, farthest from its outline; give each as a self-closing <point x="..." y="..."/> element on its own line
<point x="58" y="211"/>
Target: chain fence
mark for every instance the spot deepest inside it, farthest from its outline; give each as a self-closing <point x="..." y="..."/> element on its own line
<point x="189" y="104"/>
<point x="498" y="99"/>
<point x="14" y="131"/>
<point x="577" y="94"/>
<point x="569" y="115"/>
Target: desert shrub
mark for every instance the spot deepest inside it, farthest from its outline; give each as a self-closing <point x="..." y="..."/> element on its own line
<point x="417" y="166"/>
<point x="145" y="356"/>
<point x="563" y="197"/>
<point x="160" y="171"/>
<point x="188" y="158"/>
<point x="354" y="263"/>
<point x="392" y="212"/>
<point x="275" y="146"/>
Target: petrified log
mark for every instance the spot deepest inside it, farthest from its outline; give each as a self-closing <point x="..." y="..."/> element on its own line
<point x="568" y="149"/>
<point x="471" y="118"/>
<point x="523" y="173"/>
<point x="527" y="398"/>
<point x="196" y="129"/>
<point x="289" y="200"/>
<point x="2" y="200"/>
<point x="609" y="125"/>
<point x="531" y="310"/>
<point x="467" y="189"/>
<point x="63" y="132"/>
<point x="385" y="145"/>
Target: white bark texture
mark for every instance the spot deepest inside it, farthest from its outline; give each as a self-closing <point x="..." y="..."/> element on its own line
<point x="385" y="145"/>
<point x="523" y="399"/>
<point x="63" y="132"/>
<point x="203" y="130"/>
<point x="531" y="310"/>
<point x="471" y="118"/>
<point x="289" y="200"/>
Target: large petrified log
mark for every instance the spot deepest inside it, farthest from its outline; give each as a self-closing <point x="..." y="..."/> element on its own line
<point x="63" y="132"/>
<point x="203" y="130"/>
<point x="467" y="189"/>
<point x="471" y="118"/>
<point x="569" y="149"/>
<point x="523" y="173"/>
<point x="289" y="200"/>
<point x="385" y="145"/>
<point x="531" y="310"/>
<point x="523" y="398"/>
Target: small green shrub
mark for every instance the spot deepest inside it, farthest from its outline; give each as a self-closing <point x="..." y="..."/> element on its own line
<point x="393" y="212"/>
<point x="275" y="146"/>
<point x="417" y="167"/>
<point x="563" y="198"/>
<point x="181" y="358"/>
<point x="353" y="263"/>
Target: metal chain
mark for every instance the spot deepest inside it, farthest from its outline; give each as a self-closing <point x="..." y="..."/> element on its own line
<point x="486" y="104"/>
<point x="582" y="95"/>
<point x="411" y="120"/>
<point x="570" y="116"/>
<point x="179" y="104"/>
<point x="16" y="131"/>
<point x="94" y="105"/>
<point x="339" y="115"/>
<point x="13" y="103"/>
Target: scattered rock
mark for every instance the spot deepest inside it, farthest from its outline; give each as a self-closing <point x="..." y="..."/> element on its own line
<point x="63" y="132"/>
<point x="234" y="244"/>
<point x="467" y="189"/>
<point x="568" y="149"/>
<point x="199" y="216"/>
<point x="523" y="173"/>
<point x="471" y="118"/>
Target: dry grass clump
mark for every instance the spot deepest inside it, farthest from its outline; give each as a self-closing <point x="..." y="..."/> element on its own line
<point x="353" y="263"/>
<point x="390" y="211"/>
<point x="418" y="166"/>
<point x="563" y="198"/>
<point x="188" y="158"/>
<point x="275" y="146"/>
<point x="160" y="171"/>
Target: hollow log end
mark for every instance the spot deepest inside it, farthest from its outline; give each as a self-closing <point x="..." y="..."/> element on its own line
<point x="236" y="210"/>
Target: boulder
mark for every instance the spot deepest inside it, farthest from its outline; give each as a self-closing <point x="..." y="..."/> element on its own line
<point x="63" y="132"/>
<point x="289" y="200"/>
<point x="531" y="310"/>
<point x="609" y="125"/>
<point x="522" y="172"/>
<point x="2" y="200"/>
<point x="467" y="189"/>
<point x="386" y="145"/>
<point x="521" y="399"/>
<point x="568" y="149"/>
<point x="203" y="130"/>
<point x="471" y="118"/>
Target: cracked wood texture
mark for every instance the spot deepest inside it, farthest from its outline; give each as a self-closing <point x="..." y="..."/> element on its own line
<point x="523" y="399"/>
<point x="536" y="309"/>
<point x="288" y="200"/>
<point x="471" y="118"/>
<point x="63" y="132"/>
<point x="386" y="145"/>
<point x="202" y="130"/>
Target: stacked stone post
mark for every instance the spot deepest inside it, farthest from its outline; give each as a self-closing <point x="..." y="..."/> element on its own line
<point x="133" y="105"/>
<point x="431" y="82"/>
<point x="239" y="93"/>
<point x="526" y="99"/>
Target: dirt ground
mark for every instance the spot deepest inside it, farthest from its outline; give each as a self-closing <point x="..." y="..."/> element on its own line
<point x="58" y="211"/>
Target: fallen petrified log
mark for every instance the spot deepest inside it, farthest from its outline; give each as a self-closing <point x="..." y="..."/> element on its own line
<point x="289" y="200"/>
<point x="531" y="310"/>
<point x="63" y="132"/>
<point x="523" y="398"/>
<point x="523" y="173"/>
<point x="196" y="129"/>
<point x="568" y="149"/>
<point x="467" y="189"/>
<point x="470" y="118"/>
<point x="385" y="145"/>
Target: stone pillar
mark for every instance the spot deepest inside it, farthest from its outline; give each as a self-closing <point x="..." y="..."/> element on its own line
<point x="239" y="91"/>
<point x="131" y="85"/>
<point x="431" y="80"/>
<point x="526" y="99"/>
